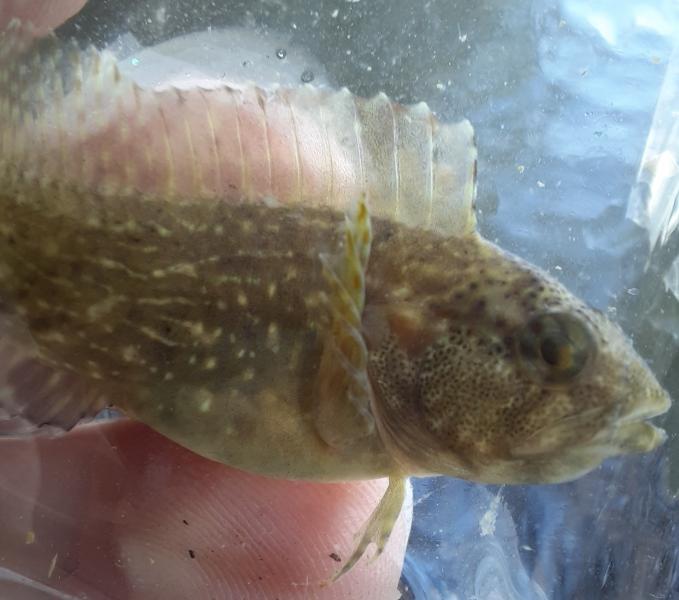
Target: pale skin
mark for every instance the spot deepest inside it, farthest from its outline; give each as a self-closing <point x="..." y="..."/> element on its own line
<point x="123" y="509"/>
<point x="410" y="346"/>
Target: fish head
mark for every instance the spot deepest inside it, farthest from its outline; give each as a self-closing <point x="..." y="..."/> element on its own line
<point x="493" y="371"/>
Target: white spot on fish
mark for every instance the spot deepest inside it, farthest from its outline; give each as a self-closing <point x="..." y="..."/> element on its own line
<point x="164" y="301"/>
<point x="107" y="263"/>
<point x="179" y="269"/>
<point x="197" y="329"/>
<point x="242" y="299"/>
<point x="103" y="308"/>
<point x="210" y="363"/>
<point x="273" y="338"/>
<point x="162" y="231"/>
<point x="204" y="399"/>
<point x="312" y="301"/>
<point x="154" y="335"/>
<point x="130" y="354"/>
<point x="53" y="336"/>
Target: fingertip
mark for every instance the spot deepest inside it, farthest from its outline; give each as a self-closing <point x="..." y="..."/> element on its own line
<point x="129" y="513"/>
<point x="267" y="537"/>
<point x="45" y="15"/>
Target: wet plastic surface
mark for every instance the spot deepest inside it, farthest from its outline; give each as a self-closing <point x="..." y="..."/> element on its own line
<point x="563" y="98"/>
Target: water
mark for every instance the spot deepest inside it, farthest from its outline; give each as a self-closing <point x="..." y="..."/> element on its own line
<point x="563" y="98"/>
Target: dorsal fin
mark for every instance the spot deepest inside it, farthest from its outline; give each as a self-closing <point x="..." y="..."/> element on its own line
<point x="73" y="117"/>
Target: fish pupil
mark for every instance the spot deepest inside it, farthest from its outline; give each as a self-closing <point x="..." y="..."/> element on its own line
<point x="551" y="351"/>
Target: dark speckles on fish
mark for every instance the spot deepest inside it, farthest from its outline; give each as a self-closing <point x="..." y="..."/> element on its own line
<point x="289" y="282"/>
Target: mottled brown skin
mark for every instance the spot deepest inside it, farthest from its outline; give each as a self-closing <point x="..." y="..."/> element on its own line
<point x="143" y="265"/>
<point x="206" y="320"/>
<point x="457" y="390"/>
<point x="201" y="318"/>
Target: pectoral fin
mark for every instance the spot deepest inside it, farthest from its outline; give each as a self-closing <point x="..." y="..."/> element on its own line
<point x="35" y="395"/>
<point x="343" y="390"/>
<point x="380" y="524"/>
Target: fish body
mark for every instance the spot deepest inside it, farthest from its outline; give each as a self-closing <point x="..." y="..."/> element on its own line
<point x="289" y="282"/>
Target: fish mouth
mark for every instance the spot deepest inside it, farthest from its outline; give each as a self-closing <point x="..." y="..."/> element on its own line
<point x="636" y="437"/>
<point x="658" y="404"/>
<point x="627" y="433"/>
<point x="634" y="432"/>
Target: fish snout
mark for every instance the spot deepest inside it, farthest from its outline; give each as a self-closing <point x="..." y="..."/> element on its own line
<point x="646" y="399"/>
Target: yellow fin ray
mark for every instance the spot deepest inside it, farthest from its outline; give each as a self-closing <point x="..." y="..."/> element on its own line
<point x="343" y="411"/>
<point x="380" y="524"/>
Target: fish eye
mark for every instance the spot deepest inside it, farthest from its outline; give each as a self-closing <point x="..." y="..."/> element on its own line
<point x="556" y="346"/>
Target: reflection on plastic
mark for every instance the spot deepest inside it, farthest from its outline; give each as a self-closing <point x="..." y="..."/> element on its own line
<point x="10" y="579"/>
<point x="654" y="201"/>
<point x="570" y="541"/>
<point x="575" y="540"/>
<point x="466" y="547"/>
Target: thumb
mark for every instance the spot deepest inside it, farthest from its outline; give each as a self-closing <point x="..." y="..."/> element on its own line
<point x="115" y="510"/>
<point x="43" y="14"/>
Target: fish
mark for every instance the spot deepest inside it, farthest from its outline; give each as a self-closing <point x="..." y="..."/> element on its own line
<point x="287" y="281"/>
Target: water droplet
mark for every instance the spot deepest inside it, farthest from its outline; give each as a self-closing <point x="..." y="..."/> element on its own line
<point x="135" y="62"/>
<point x="281" y="53"/>
<point x="307" y="76"/>
<point x="633" y="291"/>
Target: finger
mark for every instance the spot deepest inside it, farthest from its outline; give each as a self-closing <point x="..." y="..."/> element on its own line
<point x="43" y="14"/>
<point x="230" y="143"/>
<point x="97" y="540"/>
<point x="117" y="508"/>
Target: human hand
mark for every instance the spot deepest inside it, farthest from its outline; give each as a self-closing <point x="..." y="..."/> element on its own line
<point x="114" y="510"/>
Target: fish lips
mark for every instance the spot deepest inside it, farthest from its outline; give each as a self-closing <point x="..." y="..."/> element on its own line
<point x="626" y="433"/>
<point x="634" y="433"/>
